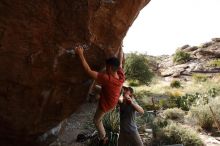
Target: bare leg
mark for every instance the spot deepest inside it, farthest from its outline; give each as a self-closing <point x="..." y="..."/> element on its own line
<point x="98" y="122"/>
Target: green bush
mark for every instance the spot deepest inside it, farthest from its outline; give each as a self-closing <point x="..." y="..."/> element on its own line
<point x="136" y="68"/>
<point x="215" y="104"/>
<point x="175" y="84"/>
<point x="170" y="102"/>
<point x="157" y="124"/>
<point x="176" y="100"/>
<point x="174" y="114"/>
<point x="201" y="111"/>
<point x="181" y="57"/>
<point x="215" y="63"/>
<point x="133" y="83"/>
<point x="203" y="116"/>
<point x="150" y="107"/>
<point x="178" y="134"/>
<point x="199" y="77"/>
<point x="186" y="101"/>
<point x="213" y="92"/>
<point x="163" y="103"/>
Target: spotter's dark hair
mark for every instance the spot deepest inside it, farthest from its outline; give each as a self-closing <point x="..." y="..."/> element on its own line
<point x="131" y="90"/>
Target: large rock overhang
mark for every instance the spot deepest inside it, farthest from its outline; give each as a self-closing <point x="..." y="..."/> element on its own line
<point x="39" y="86"/>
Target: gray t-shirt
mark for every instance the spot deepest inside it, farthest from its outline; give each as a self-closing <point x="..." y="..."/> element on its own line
<point x="127" y="118"/>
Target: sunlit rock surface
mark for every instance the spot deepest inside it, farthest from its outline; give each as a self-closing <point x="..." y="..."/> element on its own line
<point x="40" y="82"/>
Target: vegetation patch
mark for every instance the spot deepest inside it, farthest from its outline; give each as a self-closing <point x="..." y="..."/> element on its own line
<point x="199" y="77"/>
<point x="174" y="114"/>
<point x="180" y="101"/>
<point x="175" y="84"/>
<point x="202" y="115"/>
<point x="133" y="83"/>
<point x="177" y="134"/>
<point x="136" y="68"/>
<point x="144" y="100"/>
<point x="181" y="57"/>
<point x="214" y="63"/>
<point x="111" y="121"/>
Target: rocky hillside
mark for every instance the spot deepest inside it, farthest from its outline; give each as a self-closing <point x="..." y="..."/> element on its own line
<point x="202" y="59"/>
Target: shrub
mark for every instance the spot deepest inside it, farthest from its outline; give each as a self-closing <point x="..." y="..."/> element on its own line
<point x="144" y="100"/>
<point x="181" y="57"/>
<point x="213" y="92"/>
<point x="175" y="84"/>
<point x="163" y="103"/>
<point x="215" y="63"/>
<point x="111" y="121"/>
<point x="150" y="107"/>
<point x="174" y="93"/>
<point x="177" y="134"/>
<point x="203" y="116"/>
<point x="133" y="83"/>
<point x="136" y="68"/>
<point x="200" y="77"/>
<point x="174" y="114"/>
<point x="172" y="101"/>
<point x="158" y="123"/>
<point x="215" y="104"/>
<point x="176" y="99"/>
<point x="169" y="103"/>
<point x="187" y="101"/>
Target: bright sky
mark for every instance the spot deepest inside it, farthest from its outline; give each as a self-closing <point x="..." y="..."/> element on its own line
<point x="164" y="25"/>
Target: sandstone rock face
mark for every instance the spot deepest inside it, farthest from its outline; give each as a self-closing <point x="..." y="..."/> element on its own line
<point x="40" y="83"/>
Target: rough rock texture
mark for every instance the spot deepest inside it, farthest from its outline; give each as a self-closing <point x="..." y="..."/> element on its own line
<point x="40" y="84"/>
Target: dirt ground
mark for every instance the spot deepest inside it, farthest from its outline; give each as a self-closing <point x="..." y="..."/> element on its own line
<point x="66" y="133"/>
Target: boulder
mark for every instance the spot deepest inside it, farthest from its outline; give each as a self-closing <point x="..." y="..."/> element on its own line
<point x="208" y="53"/>
<point x="205" y="45"/>
<point x="190" y="49"/>
<point x="216" y="39"/>
<point x="174" y="71"/>
<point x="42" y="82"/>
<point x="184" y="47"/>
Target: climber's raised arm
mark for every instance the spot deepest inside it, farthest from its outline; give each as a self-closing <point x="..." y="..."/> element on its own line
<point x="121" y="57"/>
<point x="93" y="74"/>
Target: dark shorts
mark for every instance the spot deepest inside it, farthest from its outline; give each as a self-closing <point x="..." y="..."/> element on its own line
<point x="129" y="139"/>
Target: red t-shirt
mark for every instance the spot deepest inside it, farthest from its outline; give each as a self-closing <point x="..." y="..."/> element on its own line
<point x="111" y="88"/>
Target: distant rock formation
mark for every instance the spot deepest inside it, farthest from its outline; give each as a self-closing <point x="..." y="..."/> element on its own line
<point x="201" y="57"/>
<point x="41" y="81"/>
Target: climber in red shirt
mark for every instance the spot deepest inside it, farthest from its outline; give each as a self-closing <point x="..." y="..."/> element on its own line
<point x="111" y="82"/>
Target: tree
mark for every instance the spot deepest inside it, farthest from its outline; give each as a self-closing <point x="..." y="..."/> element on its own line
<point x="136" y="68"/>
